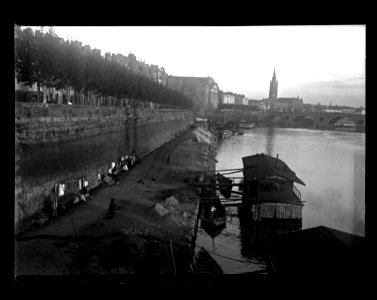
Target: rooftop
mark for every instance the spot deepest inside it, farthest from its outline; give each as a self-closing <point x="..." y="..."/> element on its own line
<point x="262" y="165"/>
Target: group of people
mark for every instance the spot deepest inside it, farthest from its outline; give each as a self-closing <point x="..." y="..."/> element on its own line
<point x="124" y="164"/>
<point x="82" y="194"/>
<point x="58" y="190"/>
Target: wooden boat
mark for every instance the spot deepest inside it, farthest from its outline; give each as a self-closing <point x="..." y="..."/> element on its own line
<point x="205" y="264"/>
<point x="246" y="125"/>
<point x="226" y="133"/>
<point x="269" y="190"/>
<point x="213" y="227"/>
<point x="218" y="221"/>
<point x="213" y="216"/>
<point x="239" y="132"/>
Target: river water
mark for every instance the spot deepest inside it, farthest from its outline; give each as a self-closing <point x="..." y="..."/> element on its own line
<point x="332" y="165"/>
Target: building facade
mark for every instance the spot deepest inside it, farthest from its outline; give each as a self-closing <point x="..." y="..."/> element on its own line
<point x="202" y="90"/>
<point x="239" y="99"/>
<point x="228" y="98"/>
<point x="153" y="72"/>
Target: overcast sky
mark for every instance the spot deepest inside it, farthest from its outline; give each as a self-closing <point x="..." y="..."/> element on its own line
<point x="318" y="63"/>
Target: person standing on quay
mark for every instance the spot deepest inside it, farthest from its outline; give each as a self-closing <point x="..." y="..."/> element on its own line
<point x="112" y="207"/>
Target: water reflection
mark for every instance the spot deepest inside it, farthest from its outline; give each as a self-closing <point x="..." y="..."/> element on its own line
<point x="270" y="141"/>
<point x="256" y="237"/>
<point x="359" y="192"/>
<point x="240" y="245"/>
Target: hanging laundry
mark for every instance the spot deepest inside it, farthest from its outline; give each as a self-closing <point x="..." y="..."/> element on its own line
<point x="61" y="189"/>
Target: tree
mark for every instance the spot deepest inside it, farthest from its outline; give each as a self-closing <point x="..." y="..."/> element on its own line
<point x="25" y="60"/>
<point x="48" y="60"/>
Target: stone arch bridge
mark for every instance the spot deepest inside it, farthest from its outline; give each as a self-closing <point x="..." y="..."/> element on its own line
<point x="291" y="119"/>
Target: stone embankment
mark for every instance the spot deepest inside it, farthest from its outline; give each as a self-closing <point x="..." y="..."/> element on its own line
<point x="152" y="230"/>
<point x="62" y="144"/>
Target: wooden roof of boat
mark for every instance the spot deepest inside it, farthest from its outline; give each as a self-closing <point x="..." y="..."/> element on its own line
<point x="262" y="165"/>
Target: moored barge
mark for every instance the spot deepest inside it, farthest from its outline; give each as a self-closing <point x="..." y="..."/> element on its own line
<point x="269" y="192"/>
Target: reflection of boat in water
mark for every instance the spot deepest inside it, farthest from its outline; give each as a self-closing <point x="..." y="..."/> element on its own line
<point x="204" y="263"/>
<point x="257" y="236"/>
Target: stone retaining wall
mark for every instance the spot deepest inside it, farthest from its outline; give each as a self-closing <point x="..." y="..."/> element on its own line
<point x="62" y="144"/>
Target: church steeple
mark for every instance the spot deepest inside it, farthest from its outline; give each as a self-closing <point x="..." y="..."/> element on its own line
<point x="273" y="87"/>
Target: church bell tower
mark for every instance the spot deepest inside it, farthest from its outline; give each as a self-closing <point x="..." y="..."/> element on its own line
<point x="273" y="87"/>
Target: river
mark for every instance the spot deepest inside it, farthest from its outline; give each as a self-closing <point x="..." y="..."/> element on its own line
<point x="332" y="165"/>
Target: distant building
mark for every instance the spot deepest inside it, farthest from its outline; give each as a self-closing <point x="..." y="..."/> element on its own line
<point x="162" y="76"/>
<point x="228" y="98"/>
<point x="239" y="99"/>
<point x="273" y="94"/>
<point x="96" y="52"/>
<point x="108" y="56"/>
<point x="130" y="62"/>
<point x="257" y="104"/>
<point x="282" y="104"/>
<point x="77" y="45"/>
<point x="133" y="63"/>
<point x="143" y="69"/>
<point x="202" y="90"/>
<point x="349" y="110"/>
<point x="86" y="50"/>
<point x="153" y="72"/>
<point x="360" y="111"/>
<point x="288" y="103"/>
<point x="333" y="110"/>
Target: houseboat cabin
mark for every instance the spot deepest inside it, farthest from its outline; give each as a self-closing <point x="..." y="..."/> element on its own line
<point x="269" y="191"/>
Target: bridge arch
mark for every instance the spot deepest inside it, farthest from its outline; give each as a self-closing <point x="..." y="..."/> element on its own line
<point x="273" y="118"/>
<point x="332" y="121"/>
<point x="307" y="122"/>
<point x="298" y="119"/>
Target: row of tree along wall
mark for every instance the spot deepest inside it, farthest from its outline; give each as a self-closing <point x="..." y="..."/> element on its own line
<point x="43" y="59"/>
<point x="63" y="144"/>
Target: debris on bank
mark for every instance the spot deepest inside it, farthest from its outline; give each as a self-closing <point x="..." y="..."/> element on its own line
<point x="196" y="154"/>
<point x="202" y="135"/>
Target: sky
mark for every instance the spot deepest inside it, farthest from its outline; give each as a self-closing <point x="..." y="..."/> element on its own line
<point x="321" y="64"/>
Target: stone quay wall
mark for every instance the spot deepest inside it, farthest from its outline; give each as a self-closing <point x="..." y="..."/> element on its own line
<point x="62" y="144"/>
